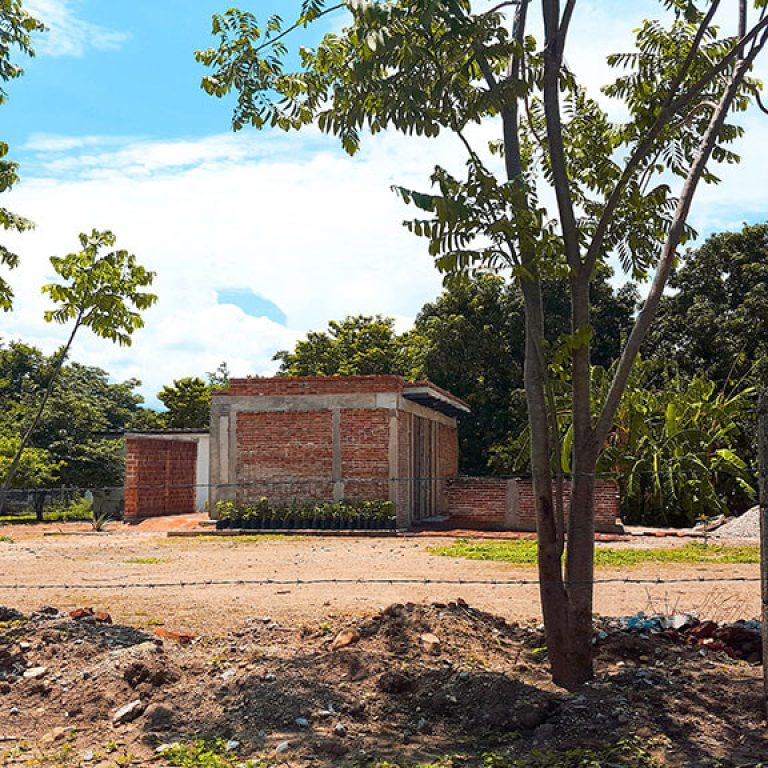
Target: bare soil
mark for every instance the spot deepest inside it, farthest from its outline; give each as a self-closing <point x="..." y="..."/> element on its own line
<point x="283" y="693"/>
<point x="95" y="566"/>
<point x="262" y="662"/>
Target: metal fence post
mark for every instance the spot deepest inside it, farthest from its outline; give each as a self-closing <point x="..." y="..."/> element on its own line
<point x="763" y="448"/>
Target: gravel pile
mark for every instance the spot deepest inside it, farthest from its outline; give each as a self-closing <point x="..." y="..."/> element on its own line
<point x="746" y="526"/>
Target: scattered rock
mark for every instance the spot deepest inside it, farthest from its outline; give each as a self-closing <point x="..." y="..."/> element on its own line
<point x="340" y="729"/>
<point x="81" y="613"/>
<point x="35" y="673"/>
<point x="283" y="746"/>
<point x="345" y="638"/>
<point x="183" y="638"/>
<point x="128" y="712"/>
<point x="302" y="722"/>
<point x="431" y="643"/>
<point x="232" y="745"/>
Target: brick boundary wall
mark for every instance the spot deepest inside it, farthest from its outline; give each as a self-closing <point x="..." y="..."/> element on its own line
<point x="495" y="503"/>
<point x="160" y="477"/>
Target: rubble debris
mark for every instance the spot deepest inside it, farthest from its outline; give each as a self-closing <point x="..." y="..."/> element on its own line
<point x="431" y="643"/>
<point x="128" y="712"/>
<point x="183" y="638"/>
<point x="740" y="639"/>
<point x="35" y="673"/>
<point x="345" y="638"/>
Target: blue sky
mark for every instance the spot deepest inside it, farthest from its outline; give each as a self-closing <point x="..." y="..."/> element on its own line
<point x="256" y="237"/>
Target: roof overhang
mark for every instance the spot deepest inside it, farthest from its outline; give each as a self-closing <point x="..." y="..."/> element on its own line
<point x="437" y="399"/>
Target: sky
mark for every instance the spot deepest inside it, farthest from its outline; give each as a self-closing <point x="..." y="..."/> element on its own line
<point x="256" y="237"/>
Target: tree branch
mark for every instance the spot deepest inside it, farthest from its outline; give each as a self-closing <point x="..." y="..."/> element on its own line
<point x="553" y="59"/>
<point x="302" y="22"/>
<point x="645" y="146"/>
<point x="667" y="259"/>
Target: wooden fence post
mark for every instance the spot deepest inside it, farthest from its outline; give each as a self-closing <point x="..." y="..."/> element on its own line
<point x="763" y="448"/>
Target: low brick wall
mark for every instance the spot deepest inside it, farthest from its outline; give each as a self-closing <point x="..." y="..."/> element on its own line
<point x="159" y="477"/>
<point x="493" y="503"/>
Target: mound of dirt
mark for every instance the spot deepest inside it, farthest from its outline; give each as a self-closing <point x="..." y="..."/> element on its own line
<point x="405" y="684"/>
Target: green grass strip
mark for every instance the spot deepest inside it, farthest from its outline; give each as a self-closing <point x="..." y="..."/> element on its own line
<point x="524" y="553"/>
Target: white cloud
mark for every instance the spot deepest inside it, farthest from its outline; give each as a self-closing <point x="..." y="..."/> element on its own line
<point x="285" y="216"/>
<point x="318" y="234"/>
<point x="68" y="34"/>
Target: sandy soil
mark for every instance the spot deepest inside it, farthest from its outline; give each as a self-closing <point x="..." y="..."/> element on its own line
<point x="98" y="564"/>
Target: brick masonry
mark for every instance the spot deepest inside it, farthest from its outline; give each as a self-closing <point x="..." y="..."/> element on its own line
<point x="329" y="438"/>
<point x="160" y="477"/>
<point x="494" y="503"/>
<point x="284" y="455"/>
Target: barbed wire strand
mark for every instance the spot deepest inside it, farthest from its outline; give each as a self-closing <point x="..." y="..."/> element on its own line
<point x="364" y="581"/>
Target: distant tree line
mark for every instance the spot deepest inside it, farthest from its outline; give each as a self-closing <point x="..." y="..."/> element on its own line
<point x="683" y="442"/>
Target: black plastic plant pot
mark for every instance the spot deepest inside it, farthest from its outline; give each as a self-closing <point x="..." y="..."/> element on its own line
<point x="222" y="525"/>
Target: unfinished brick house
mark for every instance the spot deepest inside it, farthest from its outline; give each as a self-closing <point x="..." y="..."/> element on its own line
<point x="333" y="438"/>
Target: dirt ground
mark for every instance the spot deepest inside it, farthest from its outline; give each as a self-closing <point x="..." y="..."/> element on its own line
<point x="261" y="670"/>
<point x="414" y="683"/>
<point x="96" y="565"/>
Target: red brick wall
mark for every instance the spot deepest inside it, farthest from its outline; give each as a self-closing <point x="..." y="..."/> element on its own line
<point x="159" y="477"/>
<point x="315" y="385"/>
<point x="285" y="455"/>
<point x="606" y="504"/>
<point x="482" y="502"/>
<point x="478" y="502"/>
<point x="365" y="453"/>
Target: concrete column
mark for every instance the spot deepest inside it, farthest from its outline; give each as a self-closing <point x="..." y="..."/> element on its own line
<point x="338" y="470"/>
<point x="394" y="459"/>
<point x="512" y="511"/>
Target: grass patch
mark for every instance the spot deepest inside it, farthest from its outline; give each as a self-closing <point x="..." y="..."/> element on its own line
<point x="144" y="561"/>
<point x="203" y="754"/>
<point x="524" y="553"/>
<point x="6" y="540"/>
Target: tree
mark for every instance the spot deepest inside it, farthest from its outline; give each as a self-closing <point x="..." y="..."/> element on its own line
<point x="101" y="292"/>
<point x="219" y="379"/>
<point x="357" y="346"/>
<point x="36" y="468"/>
<point x="188" y="402"/>
<point x="74" y="428"/>
<point x="472" y="341"/>
<point x="717" y="319"/>
<point x="16" y="28"/>
<point x="426" y="66"/>
<point x="676" y="446"/>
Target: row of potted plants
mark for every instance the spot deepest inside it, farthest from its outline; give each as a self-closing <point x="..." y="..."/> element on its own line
<point x="352" y="514"/>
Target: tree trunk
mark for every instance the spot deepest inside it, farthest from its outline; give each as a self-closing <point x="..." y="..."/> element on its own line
<point x="554" y="601"/>
<point x="579" y="575"/>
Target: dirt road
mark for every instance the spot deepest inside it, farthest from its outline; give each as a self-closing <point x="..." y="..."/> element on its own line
<point x="99" y="565"/>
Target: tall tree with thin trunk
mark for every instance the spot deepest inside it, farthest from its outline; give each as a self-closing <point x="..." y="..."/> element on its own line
<point x="621" y="188"/>
<point x="100" y="291"/>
